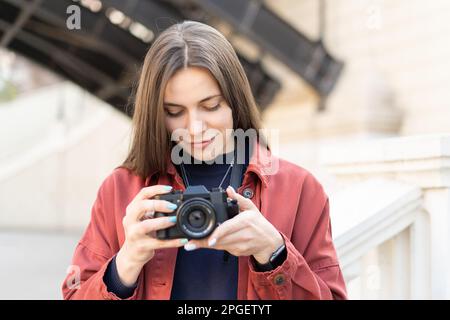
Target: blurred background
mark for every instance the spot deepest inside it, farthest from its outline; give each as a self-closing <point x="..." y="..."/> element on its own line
<point x="358" y="89"/>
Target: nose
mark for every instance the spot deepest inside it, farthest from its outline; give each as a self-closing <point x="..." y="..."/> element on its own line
<point x="195" y="125"/>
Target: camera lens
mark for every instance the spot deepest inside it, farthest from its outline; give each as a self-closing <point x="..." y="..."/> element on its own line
<point x="196" y="218"/>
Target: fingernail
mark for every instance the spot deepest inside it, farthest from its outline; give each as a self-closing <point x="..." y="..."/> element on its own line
<point x="190" y="247"/>
<point x="231" y="188"/>
<point x="173" y="219"/>
<point x="172" y="206"/>
<point x="184" y="241"/>
<point x="212" y="242"/>
<point x="167" y="188"/>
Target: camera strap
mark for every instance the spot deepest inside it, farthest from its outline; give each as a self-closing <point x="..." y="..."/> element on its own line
<point x="237" y="172"/>
<point x="236" y="175"/>
<point x="235" y="182"/>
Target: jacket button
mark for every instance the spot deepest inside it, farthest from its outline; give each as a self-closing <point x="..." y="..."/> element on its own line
<point x="279" y="279"/>
<point x="248" y="193"/>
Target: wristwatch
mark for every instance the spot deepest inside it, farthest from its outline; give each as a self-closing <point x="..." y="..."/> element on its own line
<point x="276" y="259"/>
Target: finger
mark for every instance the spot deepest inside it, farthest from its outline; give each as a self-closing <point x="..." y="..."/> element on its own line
<point x="196" y="244"/>
<point x="172" y="243"/>
<point x="244" y="203"/>
<point x="228" y="241"/>
<point x="230" y="226"/>
<point x="149" y="207"/>
<point x="154" y="244"/>
<point x="152" y="191"/>
<point x="148" y="226"/>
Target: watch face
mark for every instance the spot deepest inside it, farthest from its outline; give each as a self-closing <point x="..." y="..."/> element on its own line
<point x="278" y="256"/>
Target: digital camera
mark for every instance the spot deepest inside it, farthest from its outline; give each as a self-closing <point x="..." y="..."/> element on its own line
<point x="198" y="212"/>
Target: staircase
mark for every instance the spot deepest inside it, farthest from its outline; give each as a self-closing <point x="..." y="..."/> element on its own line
<point x="391" y="216"/>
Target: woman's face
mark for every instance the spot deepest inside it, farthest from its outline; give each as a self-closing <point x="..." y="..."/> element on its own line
<point x="196" y="110"/>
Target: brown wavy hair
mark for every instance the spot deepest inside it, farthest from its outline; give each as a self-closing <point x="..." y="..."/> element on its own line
<point x="183" y="45"/>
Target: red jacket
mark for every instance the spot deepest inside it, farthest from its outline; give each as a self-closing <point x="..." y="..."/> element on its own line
<point x="286" y="194"/>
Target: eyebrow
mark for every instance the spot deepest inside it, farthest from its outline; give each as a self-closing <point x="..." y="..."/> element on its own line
<point x="203" y="100"/>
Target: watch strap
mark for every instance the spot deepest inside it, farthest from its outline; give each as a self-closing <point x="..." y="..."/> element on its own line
<point x="276" y="259"/>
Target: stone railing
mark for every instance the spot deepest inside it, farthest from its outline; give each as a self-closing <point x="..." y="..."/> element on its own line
<point x="391" y="217"/>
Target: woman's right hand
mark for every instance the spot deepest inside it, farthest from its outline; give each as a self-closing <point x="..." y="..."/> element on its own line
<point x="140" y="232"/>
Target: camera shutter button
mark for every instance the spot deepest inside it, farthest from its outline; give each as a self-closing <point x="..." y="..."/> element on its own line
<point x="248" y="193"/>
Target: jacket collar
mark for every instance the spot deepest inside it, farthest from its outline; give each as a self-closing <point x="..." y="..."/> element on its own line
<point x="260" y="164"/>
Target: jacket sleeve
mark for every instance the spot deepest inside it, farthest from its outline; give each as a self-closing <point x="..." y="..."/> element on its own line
<point x="311" y="269"/>
<point x="92" y="256"/>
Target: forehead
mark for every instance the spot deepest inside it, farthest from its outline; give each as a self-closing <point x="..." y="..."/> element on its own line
<point x="190" y="85"/>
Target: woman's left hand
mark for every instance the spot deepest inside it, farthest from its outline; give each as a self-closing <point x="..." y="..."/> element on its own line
<point x="248" y="233"/>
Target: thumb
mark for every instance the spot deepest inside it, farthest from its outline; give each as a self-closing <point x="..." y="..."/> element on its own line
<point x="244" y="203"/>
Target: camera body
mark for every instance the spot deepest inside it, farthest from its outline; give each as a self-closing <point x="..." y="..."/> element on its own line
<point x="198" y="213"/>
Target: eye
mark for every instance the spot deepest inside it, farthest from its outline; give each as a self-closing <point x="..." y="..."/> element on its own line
<point x="213" y="108"/>
<point x="173" y="114"/>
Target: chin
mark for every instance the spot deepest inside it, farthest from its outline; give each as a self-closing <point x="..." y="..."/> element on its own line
<point x="207" y="154"/>
<point x="203" y="155"/>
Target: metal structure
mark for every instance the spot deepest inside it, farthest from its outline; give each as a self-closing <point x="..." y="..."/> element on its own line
<point x="105" y="54"/>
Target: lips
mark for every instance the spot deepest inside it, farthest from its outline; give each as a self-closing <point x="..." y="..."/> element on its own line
<point x="203" y="143"/>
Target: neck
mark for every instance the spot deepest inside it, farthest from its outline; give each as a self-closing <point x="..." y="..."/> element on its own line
<point x="224" y="158"/>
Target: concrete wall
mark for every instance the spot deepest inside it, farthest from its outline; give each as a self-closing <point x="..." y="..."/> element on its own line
<point x="395" y="80"/>
<point x="51" y="170"/>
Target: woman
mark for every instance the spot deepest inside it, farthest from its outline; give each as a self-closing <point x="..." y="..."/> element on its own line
<point x="192" y="93"/>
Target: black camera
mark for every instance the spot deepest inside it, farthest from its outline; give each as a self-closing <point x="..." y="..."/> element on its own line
<point x="198" y="213"/>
